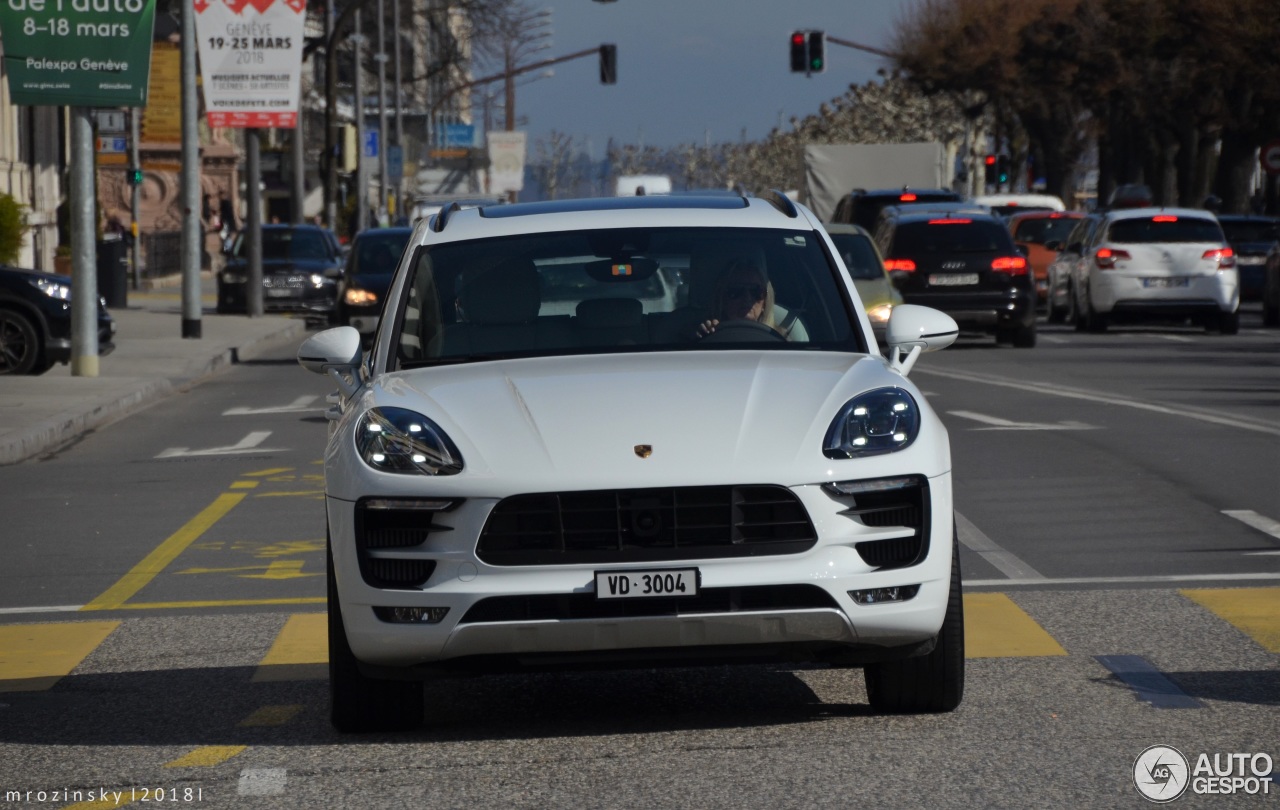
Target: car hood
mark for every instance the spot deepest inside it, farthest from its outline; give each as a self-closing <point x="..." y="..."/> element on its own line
<point x="876" y="291"/>
<point x="575" y="423"/>
<point x="373" y="282"/>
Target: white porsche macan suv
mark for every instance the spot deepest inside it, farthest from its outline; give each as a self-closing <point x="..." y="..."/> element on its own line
<point x="736" y="474"/>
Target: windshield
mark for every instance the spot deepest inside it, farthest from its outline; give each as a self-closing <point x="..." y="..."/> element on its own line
<point x="284" y="243"/>
<point x="1251" y="231"/>
<point x="1043" y="230"/>
<point x="859" y="255"/>
<point x="621" y="290"/>
<point x="1164" y="229"/>
<point x="950" y="235"/>
<point x="376" y="253"/>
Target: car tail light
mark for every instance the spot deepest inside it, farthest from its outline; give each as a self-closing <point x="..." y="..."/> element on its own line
<point x="1164" y="218"/>
<point x="1225" y="257"/>
<point x="1013" y="265"/>
<point x="908" y="197"/>
<point x="1106" y="258"/>
<point x="906" y="265"/>
<point x="950" y="221"/>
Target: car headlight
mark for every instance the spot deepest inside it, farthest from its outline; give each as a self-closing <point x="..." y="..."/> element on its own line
<point x="52" y="288"/>
<point x="881" y="421"/>
<point x="880" y="314"/>
<point x="359" y="298"/>
<point x="397" y="440"/>
<point x="231" y="277"/>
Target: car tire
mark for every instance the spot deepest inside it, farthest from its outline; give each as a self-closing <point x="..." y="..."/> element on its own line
<point x="1229" y="323"/>
<point x="928" y="683"/>
<point x="1024" y="337"/>
<point x="1056" y="314"/>
<point x="358" y="703"/>
<point x="1094" y="320"/>
<point x="20" y="349"/>
<point x="1270" y="314"/>
<point x="1073" y="310"/>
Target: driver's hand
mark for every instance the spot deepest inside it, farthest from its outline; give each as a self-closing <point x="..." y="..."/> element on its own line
<point x="706" y="327"/>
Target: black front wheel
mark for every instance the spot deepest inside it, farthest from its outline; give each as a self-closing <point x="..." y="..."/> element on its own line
<point x="928" y="683"/>
<point x="358" y="703"/>
<point x="20" y="349"/>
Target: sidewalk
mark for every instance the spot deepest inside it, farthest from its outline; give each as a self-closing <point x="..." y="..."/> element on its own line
<point x="151" y="361"/>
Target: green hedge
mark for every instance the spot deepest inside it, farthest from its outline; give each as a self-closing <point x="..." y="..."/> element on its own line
<point x="13" y="227"/>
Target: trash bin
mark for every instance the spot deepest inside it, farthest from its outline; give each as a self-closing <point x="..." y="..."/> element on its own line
<point x="113" y="272"/>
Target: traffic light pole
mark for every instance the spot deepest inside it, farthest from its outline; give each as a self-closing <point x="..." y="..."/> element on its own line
<point x="851" y="44"/>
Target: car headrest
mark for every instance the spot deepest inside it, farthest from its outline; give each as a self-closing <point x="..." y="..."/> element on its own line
<point x="596" y="313"/>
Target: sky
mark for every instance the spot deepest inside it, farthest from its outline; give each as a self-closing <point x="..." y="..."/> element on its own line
<point x="696" y="70"/>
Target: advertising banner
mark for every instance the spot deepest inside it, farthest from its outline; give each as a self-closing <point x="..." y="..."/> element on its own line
<point x="250" y="61"/>
<point x="78" y="53"/>
<point x="162" y="119"/>
<point x="506" y="161"/>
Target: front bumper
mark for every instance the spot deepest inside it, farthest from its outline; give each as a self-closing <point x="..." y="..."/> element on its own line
<point x="830" y="627"/>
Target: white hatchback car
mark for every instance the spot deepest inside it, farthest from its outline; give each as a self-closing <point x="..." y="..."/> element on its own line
<point x="1157" y="263"/>
<point x="508" y="485"/>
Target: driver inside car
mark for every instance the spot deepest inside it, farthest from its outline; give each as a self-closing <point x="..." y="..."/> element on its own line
<point x="742" y="294"/>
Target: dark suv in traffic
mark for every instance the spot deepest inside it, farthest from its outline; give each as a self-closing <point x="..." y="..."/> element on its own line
<point x="965" y="263"/>
<point x="863" y="207"/>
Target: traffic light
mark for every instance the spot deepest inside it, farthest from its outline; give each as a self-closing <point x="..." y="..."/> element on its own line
<point x="134" y="176"/>
<point x="990" y="166"/>
<point x="799" y="52"/>
<point x="817" y="51"/>
<point x="608" y="64"/>
<point x="1002" y="169"/>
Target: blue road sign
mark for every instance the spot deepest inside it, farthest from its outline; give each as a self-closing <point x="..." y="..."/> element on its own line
<point x="459" y="135"/>
<point x="370" y="143"/>
<point x="395" y="162"/>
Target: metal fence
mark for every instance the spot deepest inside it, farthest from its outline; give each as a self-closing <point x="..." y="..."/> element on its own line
<point x="161" y="254"/>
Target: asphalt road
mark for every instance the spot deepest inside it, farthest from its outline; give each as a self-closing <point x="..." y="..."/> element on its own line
<point x="1118" y="516"/>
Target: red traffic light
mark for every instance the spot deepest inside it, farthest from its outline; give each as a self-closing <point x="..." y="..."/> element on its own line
<point x="991" y="160"/>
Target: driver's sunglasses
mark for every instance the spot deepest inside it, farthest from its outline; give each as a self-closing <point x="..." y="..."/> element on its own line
<point x="750" y="292"/>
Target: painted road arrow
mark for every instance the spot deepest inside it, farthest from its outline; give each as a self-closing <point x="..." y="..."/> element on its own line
<point x="996" y="423"/>
<point x="249" y="444"/>
<point x="299" y="404"/>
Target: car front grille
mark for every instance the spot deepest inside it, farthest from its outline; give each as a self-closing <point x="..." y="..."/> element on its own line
<point x="645" y="525"/>
<point x="906" y="506"/>
<point x="549" y="607"/>
<point x="384" y="527"/>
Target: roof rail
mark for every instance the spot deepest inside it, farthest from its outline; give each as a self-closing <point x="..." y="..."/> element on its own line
<point x="781" y="202"/>
<point x="442" y="218"/>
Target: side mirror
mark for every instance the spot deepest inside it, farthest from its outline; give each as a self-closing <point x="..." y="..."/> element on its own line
<point x="918" y="329"/>
<point x="335" y="352"/>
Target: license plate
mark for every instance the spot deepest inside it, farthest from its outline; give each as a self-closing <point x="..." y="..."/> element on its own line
<point x="666" y="582"/>
<point x="952" y="279"/>
<point x="1164" y="281"/>
<point x="279" y="292"/>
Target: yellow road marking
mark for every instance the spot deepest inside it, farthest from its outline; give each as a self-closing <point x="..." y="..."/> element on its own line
<point x="301" y="600"/>
<point x="995" y="627"/>
<point x="206" y="756"/>
<point x="311" y="493"/>
<point x="272" y="471"/>
<point x="126" y="797"/>
<point x="245" y="485"/>
<point x="272" y="716"/>
<point x="300" y="651"/>
<point x="34" y="656"/>
<point x="1254" y="611"/>
<point x="165" y="553"/>
<point x="277" y="569"/>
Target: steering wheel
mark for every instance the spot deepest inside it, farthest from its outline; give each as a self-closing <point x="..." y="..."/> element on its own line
<point x="743" y="330"/>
